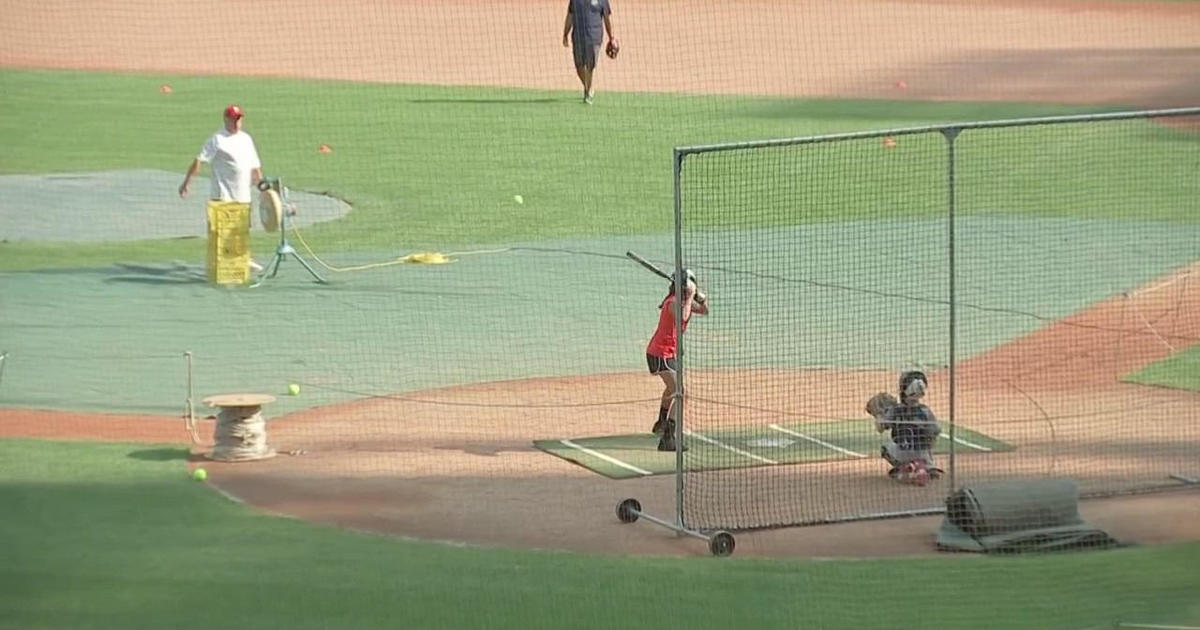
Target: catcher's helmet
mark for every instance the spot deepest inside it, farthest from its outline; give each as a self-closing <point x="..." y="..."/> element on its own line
<point x="913" y="384"/>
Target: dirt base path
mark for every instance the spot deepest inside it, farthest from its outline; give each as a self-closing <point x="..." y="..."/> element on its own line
<point x="1135" y="53"/>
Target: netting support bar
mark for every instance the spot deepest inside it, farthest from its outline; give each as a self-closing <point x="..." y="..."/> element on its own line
<point x="908" y="131"/>
<point x="680" y="286"/>
<point x="951" y="133"/>
<point x="720" y="542"/>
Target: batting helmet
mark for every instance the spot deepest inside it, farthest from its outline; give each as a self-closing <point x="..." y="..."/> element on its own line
<point x="687" y="273"/>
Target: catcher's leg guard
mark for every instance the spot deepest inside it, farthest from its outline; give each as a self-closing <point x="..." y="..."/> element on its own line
<point x="913" y="472"/>
<point x="894" y="471"/>
<point x="920" y="474"/>
<point x="904" y="473"/>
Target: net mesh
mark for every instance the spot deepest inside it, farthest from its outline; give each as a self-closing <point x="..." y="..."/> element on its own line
<point x="1073" y="260"/>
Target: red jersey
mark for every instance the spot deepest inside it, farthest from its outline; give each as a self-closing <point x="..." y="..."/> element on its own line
<point x="663" y="343"/>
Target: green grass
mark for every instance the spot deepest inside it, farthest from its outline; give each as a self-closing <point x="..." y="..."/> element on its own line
<point x="790" y="443"/>
<point x="115" y="536"/>
<point x="1179" y="371"/>
<point x="434" y="167"/>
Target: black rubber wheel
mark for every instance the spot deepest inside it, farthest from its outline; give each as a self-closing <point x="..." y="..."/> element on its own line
<point x="721" y="544"/>
<point x="628" y="510"/>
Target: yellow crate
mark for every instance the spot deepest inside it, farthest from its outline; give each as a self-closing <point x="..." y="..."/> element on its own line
<point x="228" y="242"/>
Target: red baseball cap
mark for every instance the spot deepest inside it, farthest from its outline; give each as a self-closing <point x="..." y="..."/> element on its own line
<point x="233" y="111"/>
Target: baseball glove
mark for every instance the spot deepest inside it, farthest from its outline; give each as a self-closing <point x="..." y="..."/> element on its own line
<point x="612" y="49"/>
<point x="880" y="403"/>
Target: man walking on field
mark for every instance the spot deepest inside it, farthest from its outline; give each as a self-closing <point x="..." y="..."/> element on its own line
<point x="586" y="23"/>
<point x="236" y="168"/>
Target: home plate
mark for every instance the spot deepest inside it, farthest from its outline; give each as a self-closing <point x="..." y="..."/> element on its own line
<point x="771" y="442"/>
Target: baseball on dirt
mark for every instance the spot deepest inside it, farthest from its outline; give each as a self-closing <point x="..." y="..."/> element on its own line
<point x="294" y="389"/>
<point x="199" y="474"/>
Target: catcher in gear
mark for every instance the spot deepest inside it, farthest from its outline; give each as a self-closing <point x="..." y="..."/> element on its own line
<point x="913" y="430"/>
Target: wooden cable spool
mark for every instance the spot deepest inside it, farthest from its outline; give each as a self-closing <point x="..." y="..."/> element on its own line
<point x="241" y="430"/>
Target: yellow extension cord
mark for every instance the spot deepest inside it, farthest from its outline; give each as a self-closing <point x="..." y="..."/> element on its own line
<point x="418" y="257"/>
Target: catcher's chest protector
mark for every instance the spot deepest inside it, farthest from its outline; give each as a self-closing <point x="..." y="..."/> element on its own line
<point x="911" y="430"/>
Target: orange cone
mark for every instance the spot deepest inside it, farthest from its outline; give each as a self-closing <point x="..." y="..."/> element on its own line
<point x="889" y="142"/>
<point x="165" y="89"/>
<point x="901" y="85"/>
<point x="324" y="148"/>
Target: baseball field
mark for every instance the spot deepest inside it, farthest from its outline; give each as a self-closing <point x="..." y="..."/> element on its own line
<point x="457" y="435"/>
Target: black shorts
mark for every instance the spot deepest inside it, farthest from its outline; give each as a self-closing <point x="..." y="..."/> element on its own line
<point x="585" y="53"/>
<point x="659" y="364"/>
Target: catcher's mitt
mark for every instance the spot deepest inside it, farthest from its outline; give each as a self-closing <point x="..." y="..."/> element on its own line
<point x="612" y="49"/>
<point x="880" y="403"/>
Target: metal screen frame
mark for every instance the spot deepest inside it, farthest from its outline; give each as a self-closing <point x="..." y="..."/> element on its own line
<point x="951" y="132"/>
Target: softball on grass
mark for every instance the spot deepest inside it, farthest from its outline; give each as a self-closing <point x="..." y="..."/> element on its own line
<point x="199" y="474"/>
<point x="519" y="199"/>
<point x="294" y="389"/>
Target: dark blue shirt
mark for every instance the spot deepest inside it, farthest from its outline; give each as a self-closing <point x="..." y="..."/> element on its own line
<point x="587" y="20"/>
<point x="913" y="427"/>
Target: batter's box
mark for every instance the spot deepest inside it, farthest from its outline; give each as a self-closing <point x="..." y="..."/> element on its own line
<point x="637" y="455"/>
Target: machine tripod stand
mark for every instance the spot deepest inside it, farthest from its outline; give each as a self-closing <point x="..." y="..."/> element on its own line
<point x="276" y="209"/>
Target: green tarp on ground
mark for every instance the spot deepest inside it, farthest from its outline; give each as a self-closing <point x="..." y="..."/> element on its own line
<point x="1018" y="517"/>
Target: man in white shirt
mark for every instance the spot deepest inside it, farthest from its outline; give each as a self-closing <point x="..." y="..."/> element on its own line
<point x="236" y="169"/>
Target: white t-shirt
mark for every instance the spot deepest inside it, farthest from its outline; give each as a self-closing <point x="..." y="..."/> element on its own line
<point x="232" y="156"/>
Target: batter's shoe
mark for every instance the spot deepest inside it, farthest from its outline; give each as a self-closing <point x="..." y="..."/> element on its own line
<point x="659" y="427"/>
<point x="667" y="443"/>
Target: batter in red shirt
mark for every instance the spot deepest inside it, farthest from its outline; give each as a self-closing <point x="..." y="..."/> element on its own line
<point x="663" y="350"/>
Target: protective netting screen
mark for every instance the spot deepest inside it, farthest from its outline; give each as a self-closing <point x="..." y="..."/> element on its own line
<point x="810" y="315"/>
<point x="1077" y="256"/>
<point x="1072" y="249"/>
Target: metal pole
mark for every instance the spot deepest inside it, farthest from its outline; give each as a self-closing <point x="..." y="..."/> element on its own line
<point x="191" y="408"/>
<point x="189" y="412"/>
<point x="3" y="360"/>
<point x="680" y="284"/>
<point x="951" y="133"/>
<point x="682" y="531"/>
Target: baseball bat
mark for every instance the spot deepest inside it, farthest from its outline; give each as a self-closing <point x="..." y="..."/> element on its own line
<point x="649" y="265"/>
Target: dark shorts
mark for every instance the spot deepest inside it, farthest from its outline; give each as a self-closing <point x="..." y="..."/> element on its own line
<point x="659" y="364"/>
<point x="585" y="54"/>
